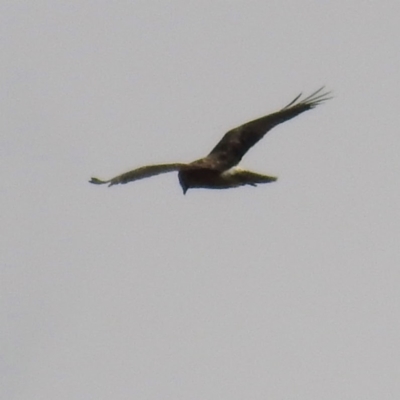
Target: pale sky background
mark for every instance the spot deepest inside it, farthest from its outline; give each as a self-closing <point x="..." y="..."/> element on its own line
<point x="285" y="291"/>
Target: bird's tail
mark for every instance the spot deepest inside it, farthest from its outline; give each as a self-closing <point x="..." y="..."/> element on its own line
<point x="244" y="177"/>
<point x="253" y="178"/>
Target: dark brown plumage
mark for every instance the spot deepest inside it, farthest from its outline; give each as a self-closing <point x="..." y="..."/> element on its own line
<point x="219" y="169"/>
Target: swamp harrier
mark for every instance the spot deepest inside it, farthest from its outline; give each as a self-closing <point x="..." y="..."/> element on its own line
<point x="219" y="169"/>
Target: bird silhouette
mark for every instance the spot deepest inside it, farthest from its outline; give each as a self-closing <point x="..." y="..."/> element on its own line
<point x="219" y="169"/>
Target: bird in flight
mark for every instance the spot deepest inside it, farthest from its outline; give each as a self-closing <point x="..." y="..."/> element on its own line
<point x="219" y="170"/>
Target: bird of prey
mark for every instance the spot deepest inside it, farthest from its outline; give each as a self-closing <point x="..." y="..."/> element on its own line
<point x="219" y="170"/>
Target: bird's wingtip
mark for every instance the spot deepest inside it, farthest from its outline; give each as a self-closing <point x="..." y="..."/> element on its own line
<point x="97" y="181"/>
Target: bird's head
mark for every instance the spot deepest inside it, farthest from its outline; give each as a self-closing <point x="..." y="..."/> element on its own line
<point x="183" y="181"/>
<point x="185" y="187"/>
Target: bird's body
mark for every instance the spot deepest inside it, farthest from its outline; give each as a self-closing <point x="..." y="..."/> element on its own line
<point x="214" y="179"/>
<point x="218" y="170"/>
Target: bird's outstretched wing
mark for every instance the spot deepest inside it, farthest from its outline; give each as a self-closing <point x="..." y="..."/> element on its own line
<point x="140" y="173"/>
<point x="235" y="143"/>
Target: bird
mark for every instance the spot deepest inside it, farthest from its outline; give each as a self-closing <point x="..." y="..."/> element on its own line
<point x="219" y="169"/>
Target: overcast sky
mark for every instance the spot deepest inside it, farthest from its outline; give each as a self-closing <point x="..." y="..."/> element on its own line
<point x="285" y="291"/>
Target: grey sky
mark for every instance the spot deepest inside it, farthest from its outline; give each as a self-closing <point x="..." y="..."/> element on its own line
<point x="286" y="291"/>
